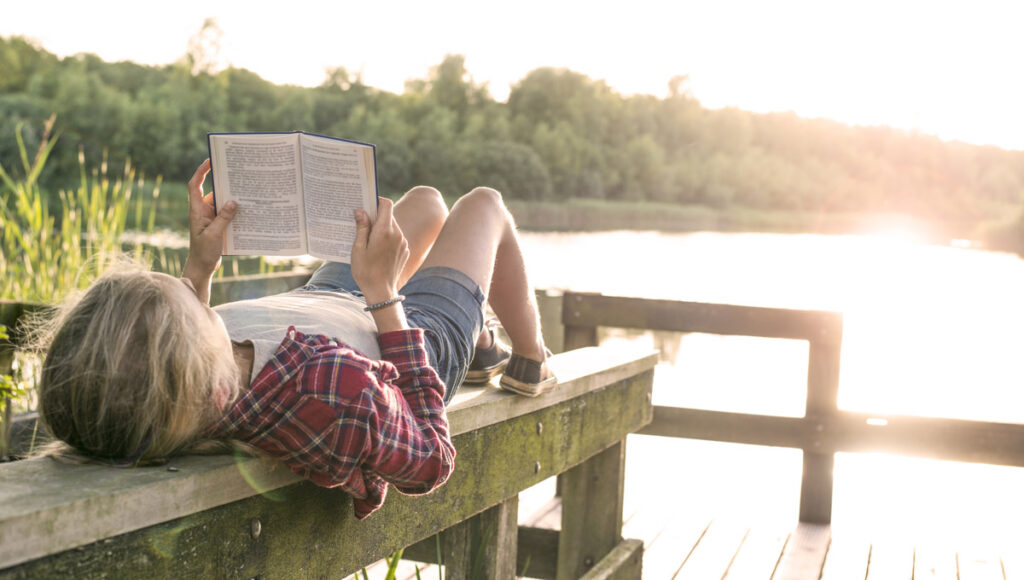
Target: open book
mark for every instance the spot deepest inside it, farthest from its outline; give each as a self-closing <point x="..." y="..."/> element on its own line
<point x="295" y="192"/>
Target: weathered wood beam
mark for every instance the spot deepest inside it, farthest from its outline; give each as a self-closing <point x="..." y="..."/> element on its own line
<point x="305" y="530"/>
<point x="728" y="427"/>
<point x="672" y="315"/>
<point x="805" y="552"/>
<point x="536" y="554"/>
<point x="948" y="439"/>
<point x="625" y="562"/>
<point x="483" y="546"/>
<point x="592" y="496"/>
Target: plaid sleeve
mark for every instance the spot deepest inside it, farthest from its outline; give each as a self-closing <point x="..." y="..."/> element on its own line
<point x="392" y="424"/>
<point x="414" y="403"/>
<point x="341" y="419"/>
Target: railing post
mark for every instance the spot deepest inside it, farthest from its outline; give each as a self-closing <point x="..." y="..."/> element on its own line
<point x="591" y="511"/>
<point x="821" y="417"/>
<point x="485" y="545"/>
<point x="576" y="335"/>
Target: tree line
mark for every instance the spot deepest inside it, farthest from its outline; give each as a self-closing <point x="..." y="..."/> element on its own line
<point x="559" y="135"/>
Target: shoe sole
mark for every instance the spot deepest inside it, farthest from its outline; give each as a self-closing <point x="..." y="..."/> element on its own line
<point x="527" y="389"/>
<point x="480" y="377"/>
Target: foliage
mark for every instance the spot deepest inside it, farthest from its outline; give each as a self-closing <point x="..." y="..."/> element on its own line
<point x="45" y="253"/>
<point x="9" y="390"/>
<point x="560" y="135"/>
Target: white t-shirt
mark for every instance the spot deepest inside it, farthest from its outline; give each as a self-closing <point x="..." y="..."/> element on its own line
<point x="264" y="322"/>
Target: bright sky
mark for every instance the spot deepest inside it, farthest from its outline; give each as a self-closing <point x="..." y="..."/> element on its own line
<point x="948" y="68"/>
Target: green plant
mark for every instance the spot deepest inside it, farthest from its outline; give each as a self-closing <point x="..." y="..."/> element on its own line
<point x="392" y="562"/>
<point x="45" y="253"/>
<point x="9" y="390"/>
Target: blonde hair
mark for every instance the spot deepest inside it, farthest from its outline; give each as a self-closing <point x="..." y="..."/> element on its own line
<point x="128" y="376"/>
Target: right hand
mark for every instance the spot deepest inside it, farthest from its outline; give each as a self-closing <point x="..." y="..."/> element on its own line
<point x="205" y="226"/>
<point x="379" y="253"/>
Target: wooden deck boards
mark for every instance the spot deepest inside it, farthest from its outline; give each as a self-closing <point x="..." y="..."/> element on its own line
<point x="681" y="548"/>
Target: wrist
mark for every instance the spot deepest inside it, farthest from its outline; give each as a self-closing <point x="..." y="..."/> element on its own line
<point x="196" y="270"/>
<point x="379" y="294"/>
<point x="393" y="301"/>
<point x="390" y="318"/>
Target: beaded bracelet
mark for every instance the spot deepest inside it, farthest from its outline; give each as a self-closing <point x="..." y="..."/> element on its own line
<point x="385" y="304"/>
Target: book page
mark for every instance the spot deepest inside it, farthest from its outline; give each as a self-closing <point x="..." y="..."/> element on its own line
<point x="338" y="177"/>
<point x="262" y="173"/>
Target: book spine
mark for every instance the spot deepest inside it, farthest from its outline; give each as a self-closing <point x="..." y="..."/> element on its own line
<point x="213" y="172"/>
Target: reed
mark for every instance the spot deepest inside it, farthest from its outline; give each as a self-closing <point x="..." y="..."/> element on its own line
<point x="47" y="253"/>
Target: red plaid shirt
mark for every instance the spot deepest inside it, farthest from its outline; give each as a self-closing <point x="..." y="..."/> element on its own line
<point x="340" y="419"/>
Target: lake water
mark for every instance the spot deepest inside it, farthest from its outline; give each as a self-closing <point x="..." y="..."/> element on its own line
<point x="928" y="330"/>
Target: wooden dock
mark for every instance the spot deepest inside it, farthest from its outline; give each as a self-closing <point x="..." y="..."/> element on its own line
<point x="669" y="523"/>
<point x="681" y="542"/>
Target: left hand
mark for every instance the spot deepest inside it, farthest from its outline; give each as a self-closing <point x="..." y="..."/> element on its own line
<point x="379" y="253"/>
<point x="206" y="227"/>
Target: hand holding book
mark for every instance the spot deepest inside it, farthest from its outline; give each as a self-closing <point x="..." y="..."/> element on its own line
<point x="296" y="192"/>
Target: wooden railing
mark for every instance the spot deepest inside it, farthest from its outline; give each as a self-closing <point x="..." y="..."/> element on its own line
<point x="242" y="517"/>
<point x="824" y="429"/>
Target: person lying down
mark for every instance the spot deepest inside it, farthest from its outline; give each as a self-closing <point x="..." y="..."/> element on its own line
<point x="345" y="380"/>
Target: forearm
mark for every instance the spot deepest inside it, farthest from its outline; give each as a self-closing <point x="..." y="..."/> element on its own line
<point x="388" y="318"/>
<point x="200" y="276"/>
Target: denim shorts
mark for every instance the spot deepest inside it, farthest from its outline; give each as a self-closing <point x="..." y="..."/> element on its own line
<point x="446" y="303"/>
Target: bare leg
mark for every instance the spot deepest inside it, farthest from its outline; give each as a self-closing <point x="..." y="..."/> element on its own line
<point x="479" y="238"/>
<point x="420" y="214"/>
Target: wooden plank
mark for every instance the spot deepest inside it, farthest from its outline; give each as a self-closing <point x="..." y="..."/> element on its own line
<point x="669" y="550"/>
<point x="495" y="463"/>
<point x="845" y="431"/>
<point x="42" y="513"/>
<point x="673" y="315"/>
<point x="978" y="565"/>
<point x="591" y="511"/>
<point x="820" y="412"/>
<point x="536" y="556"/>
<point x="891" y="562"/>
<point x="538" y="553"/>
<point x="713" y="556"/>
<point x="805" y="553"/>
<point x="823" y="375"/>
<point x="1013" y="564"/>
<point x="847" y="559"/>
<point x="759" y="555"/>
<point x="622" y="563"/>
<point x="484" y="546"/>
<point x="729" y="427"/>
<point x="580" y="336"/>
<point x="578" y="371"/>
<point x="816" y="488"/>
<point x="934" y="563"/>
<point x="949" y="439"/>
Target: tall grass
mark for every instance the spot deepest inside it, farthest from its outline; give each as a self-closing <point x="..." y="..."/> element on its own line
<point x="46" y="254"/>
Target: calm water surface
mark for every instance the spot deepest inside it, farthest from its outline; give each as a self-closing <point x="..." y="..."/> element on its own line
<point x="928" y="330"/>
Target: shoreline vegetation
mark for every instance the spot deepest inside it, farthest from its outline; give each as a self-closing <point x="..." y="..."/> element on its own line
<point x="560" y="137"/>
<point x="566" y="151"/>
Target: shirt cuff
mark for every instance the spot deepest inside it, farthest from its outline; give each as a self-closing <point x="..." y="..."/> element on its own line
<point x="404" y="345"/>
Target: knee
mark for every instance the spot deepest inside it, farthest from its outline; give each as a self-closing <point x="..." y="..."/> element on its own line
<point x="428" y="201"/>
<point x="427" y="195"/>
<point x="483" y="199"/>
